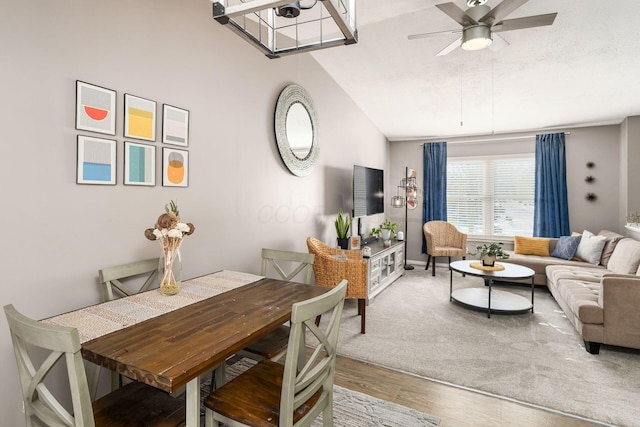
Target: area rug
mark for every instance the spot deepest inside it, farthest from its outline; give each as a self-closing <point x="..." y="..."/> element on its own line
<point x="354" y="409"/>
<point x="536" y="358"/>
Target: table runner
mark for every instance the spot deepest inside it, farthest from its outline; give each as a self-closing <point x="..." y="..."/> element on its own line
<point x="101" y="319"/>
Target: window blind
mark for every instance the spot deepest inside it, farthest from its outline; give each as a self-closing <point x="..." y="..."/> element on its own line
<point x="491" y="195"/>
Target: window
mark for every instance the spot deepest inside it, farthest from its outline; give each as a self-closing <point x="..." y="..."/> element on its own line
<point x="491" y="195"/>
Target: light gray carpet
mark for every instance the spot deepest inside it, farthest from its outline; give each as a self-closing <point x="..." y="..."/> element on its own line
<point x="354" y="409"/>
<point x="535" y="358"/>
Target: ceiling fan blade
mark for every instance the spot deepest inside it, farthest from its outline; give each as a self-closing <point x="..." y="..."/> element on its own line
<point x="498" y="43"/>
<point x="501" y="10"/>
<point x="450" y="48"/>
<point x="457" y="14"/>
<point x="435" y="33"/>
<point x="526" y="22"/>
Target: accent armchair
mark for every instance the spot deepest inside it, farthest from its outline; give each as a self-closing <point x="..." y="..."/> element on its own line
<point x="443" y="239"/>
<point x="333" y="265"/>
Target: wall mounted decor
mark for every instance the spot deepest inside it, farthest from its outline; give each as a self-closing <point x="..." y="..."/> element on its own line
<point x="95" y="108"/>
<point x="175" y="167"/>
<point x="590" y="179"/>
<point x="175" y="125"/>
<point x="139" y="118"/>
<point x="139" y="164"/>
<point x="296" y="128"/>
<point x="96" y="161"/>
<point x="590" y="165"/>
<point x="591" y="197"/>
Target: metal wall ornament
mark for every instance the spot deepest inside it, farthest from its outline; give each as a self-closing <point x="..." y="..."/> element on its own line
<point x="590" y="179"/>
<point x="296" y="129"/>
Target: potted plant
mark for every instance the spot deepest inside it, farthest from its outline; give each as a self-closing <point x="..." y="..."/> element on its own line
<point x="490" y="252"/>
<point x="386" y="230"/>
<point x="343" y="223"/>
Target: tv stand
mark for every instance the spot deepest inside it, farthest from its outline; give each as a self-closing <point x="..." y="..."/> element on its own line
<point x="384" y="266"/>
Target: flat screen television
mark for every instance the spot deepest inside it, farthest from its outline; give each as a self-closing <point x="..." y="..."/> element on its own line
<point x="368" y="191"/>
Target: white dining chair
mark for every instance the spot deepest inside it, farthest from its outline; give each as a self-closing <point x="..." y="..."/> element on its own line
<point x="121" y="281"/>
<point x="118" y="280"/>
<point x="133" y="405"/>
<point x="288" y="265"/>
<point x="293" y="394"/>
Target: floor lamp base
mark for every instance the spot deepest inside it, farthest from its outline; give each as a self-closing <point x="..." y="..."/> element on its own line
<point x="408" y="267"/>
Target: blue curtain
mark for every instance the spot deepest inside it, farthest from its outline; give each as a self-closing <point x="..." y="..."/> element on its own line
<point x="434" y="182"/>
<point x="551" y="211"/>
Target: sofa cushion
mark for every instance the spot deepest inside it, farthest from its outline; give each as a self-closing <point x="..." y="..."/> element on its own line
<point x="612" y="240"/>
<point x="590" y="247"/>
<point x="566" y="247"/>
<point x="586" y="272"/>
<point x="581" y="296"/>
<point x="531" y="245"/>
<point x="625" y="258"/>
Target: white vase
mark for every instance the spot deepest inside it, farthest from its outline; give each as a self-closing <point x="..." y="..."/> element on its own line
<point x="385" y="233"/>
<point x="488" y="260"/>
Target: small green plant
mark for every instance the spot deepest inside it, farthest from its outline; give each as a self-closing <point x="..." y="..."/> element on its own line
<point x="343" y="223"/>
<point x="492" y="249"/>
<point x="386" y="225"/>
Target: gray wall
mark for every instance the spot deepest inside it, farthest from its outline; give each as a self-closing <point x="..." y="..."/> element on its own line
<point x="612" y="148"/>
<point x="57" y="234"/>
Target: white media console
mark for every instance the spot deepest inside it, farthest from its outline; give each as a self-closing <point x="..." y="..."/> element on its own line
<point x="385" y="265"/>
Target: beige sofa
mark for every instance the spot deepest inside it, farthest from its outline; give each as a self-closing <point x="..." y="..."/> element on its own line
<point x="601" y="301"/>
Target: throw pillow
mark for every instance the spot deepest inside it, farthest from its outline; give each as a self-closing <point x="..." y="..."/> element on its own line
<point x="612" y="241"/>
<point x="625" y="259"/>
<point x="590" y="247"/>
<point x="531" y="245"/>
<point x="566" y="247"/>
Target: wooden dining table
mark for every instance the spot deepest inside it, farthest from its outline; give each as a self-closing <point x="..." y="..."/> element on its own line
<point x="172" y="350"/>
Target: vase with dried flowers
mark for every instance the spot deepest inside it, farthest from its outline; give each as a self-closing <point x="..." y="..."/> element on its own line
<point x="169" y="231"/>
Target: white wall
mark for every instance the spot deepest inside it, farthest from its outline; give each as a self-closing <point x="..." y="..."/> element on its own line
<point x="630" y="173"/>
<point x="57" y="234"/>
<point x="599" y="144"/>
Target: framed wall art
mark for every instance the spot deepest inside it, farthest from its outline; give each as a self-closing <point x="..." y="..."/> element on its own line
<point x="139" y="164"/>
<point x="95" y="108"/>
<point x="139" y="118"/>
<point x="354" y="242"/>
<point x="175" y="125"/>
<point x="96" y="161"/>
<point x="175" y="167"/>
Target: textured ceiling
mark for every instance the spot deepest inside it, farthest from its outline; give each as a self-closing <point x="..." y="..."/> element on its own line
<point x="582" y="70"/>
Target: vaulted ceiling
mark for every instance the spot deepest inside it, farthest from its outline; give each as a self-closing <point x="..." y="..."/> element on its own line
<point x="582" y="70"/>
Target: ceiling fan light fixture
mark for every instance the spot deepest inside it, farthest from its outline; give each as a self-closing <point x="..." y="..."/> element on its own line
<point x="476" y="37"/>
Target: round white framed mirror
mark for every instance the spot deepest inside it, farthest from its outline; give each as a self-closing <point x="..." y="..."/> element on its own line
<point x="296" y="129"/>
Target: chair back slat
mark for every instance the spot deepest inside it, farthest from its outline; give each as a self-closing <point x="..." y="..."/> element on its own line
<point x="316" y="375"/>
<point x="121" y="278"/>
<point x="277" y="259"/>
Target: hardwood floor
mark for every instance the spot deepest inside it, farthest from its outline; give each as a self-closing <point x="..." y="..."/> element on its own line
<point x="454" y="406"/>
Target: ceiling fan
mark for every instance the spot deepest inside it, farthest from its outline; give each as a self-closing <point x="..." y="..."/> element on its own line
<point x="480" y="23"/>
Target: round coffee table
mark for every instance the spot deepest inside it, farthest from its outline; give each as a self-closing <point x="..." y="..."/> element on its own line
<point x="493" y="301"/>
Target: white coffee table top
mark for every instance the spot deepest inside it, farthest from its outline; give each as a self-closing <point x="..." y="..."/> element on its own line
<point x="511" y="271"/>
